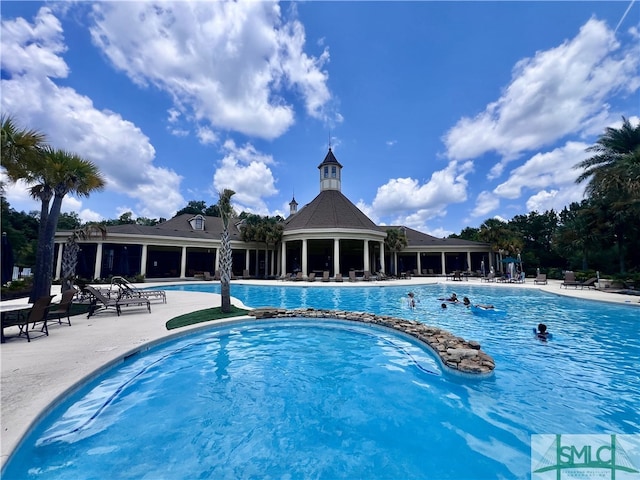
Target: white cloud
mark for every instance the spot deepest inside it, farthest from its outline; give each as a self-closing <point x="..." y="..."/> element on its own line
<point x="120" y="149"/>
<point x="486" y="202"/>
<point x="543" y="170"/>
<point x="230" y="64"/>
<point x="245" y="171"/>
<point x="560" y="91"/>
<point x="429" y="199"/>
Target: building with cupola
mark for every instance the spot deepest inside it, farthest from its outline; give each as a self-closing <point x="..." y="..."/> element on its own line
<point x="328" y="234"/>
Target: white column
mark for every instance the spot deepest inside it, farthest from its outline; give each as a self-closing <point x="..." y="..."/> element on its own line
<point x="283" y="258"/>
<point x="366" y="256"/>
<point x="59" y="261"/>
<point x="216" y="266"/>
<point x="336" y="256"/>
<point x="469" y="260"/>
<point x="304" y="257"/>
<point x="272" y="262"/>
<point x="247" y="259"/>
<point x="97" y="268"/>
<point x="418" y="263"/>
<point x="443" y="259"/>
<point x="382" y="257"/>
<point x="143" y="261"/>
<point x="183" y="263"/>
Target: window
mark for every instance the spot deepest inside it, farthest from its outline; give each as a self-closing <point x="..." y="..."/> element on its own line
<point x="333" y="172"/>
<point x="326" y="172"/>
<point x="197" y="222"/>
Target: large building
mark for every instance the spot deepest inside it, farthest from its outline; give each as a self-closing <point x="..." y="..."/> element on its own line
<point x="328" y="234"/>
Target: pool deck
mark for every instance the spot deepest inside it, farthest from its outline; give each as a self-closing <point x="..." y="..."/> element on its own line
<point x="36" y="374"/>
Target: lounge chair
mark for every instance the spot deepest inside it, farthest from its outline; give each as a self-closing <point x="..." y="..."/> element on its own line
<point x="97" y="297"/>
<point x="311" y="277"/>
<point x="570" y="280"/>
<point x="206" y="276"/>
<point x="216" y="276"/>
<point x="366" y="276"/>
<point x="338" y="277"/>
<point x="325" y="276"/>
<point x="382" y="276"/>
<point x="245" y="274"/>
<point x="352" y="275"/>
<point x="63" y="308"/>
<point x="37" y="314"/>
<point x="491" y="277"/>
<point x="591" y="283"/>
<point x="541" y="279"/>
<point x="128" y="289"/>
<point x="298" y="277"/>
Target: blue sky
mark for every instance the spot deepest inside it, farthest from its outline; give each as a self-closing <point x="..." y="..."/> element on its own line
<point x="443" y="114"/>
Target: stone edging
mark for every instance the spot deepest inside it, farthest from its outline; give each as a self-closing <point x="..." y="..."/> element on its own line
<point x="454" y="352"/>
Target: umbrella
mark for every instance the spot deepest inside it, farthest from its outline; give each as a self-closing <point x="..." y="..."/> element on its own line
<point x="7" y="259"/>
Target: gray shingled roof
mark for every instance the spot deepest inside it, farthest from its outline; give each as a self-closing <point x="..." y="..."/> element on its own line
<point x="419" y="239"/>
<point x="330" y="209"/>
<point x="178" y="227"/>
<point x="330" y="159"/>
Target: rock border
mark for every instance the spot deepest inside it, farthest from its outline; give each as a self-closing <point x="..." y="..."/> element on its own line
<point x="455" y="353"/>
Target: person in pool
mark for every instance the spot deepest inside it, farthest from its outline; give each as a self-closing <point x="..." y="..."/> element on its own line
<point x="542" y="333"/>
<point x="444" y="305"/>
<point x="412" y="300"/>
<point x="466" y="301"/>
<point x="485" y="307"/>
<point x="453" y="298"/>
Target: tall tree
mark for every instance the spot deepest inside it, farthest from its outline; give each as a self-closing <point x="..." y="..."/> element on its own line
<point x="395" y="241"/>
<point x="65" y="173"/>
<point x="20" y="148"/>
<point x="194" y="207"/>
<point x="227" y="213"/>
<point x="613" y="175"/>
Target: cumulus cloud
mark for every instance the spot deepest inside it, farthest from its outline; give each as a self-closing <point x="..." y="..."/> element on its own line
<point x="430" y="198"/>
<point x="245" y="171"/>
<point x="233" y="65"/>
<point x="72" y="122"/>
<point x="486" y="202"/>
<point x="560" y="91"/>
<point x="543" y="170"/>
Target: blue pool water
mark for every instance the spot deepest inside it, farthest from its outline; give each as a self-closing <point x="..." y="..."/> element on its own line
<point x="308" y="399"/>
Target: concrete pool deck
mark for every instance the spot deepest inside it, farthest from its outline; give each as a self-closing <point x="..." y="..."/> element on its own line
<point x="35" y="375"/>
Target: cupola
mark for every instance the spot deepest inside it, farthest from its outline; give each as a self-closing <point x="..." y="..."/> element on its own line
<point x="330" y="173"/>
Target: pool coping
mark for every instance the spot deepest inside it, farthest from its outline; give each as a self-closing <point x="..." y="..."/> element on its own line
<point x="455" y="353"/>
<point x="34" y="375"/>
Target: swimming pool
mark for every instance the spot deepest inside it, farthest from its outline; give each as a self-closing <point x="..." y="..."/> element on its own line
<point x="417" y="422"/>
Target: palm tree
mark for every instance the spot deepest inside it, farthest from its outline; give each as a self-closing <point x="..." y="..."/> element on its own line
<point x="226" y="212"/>
<point x="394" y="242"/>
<point x="52" y="174"/>
<point x="20" y="148"/>
<point x="71" y="249"/>
<point x="613" y="174"/>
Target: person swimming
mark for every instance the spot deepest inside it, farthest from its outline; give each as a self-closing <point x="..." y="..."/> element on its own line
<point x="542" y="333"/>
<point x="466" y="301"/>
<point x="412" y="300"/>
<point x="453" y="298"/>
<point x="444" y="305"/>
<point x="485" y="307"/>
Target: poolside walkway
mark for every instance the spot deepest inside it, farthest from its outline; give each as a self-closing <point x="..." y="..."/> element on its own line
<point x="34" y="375"/>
